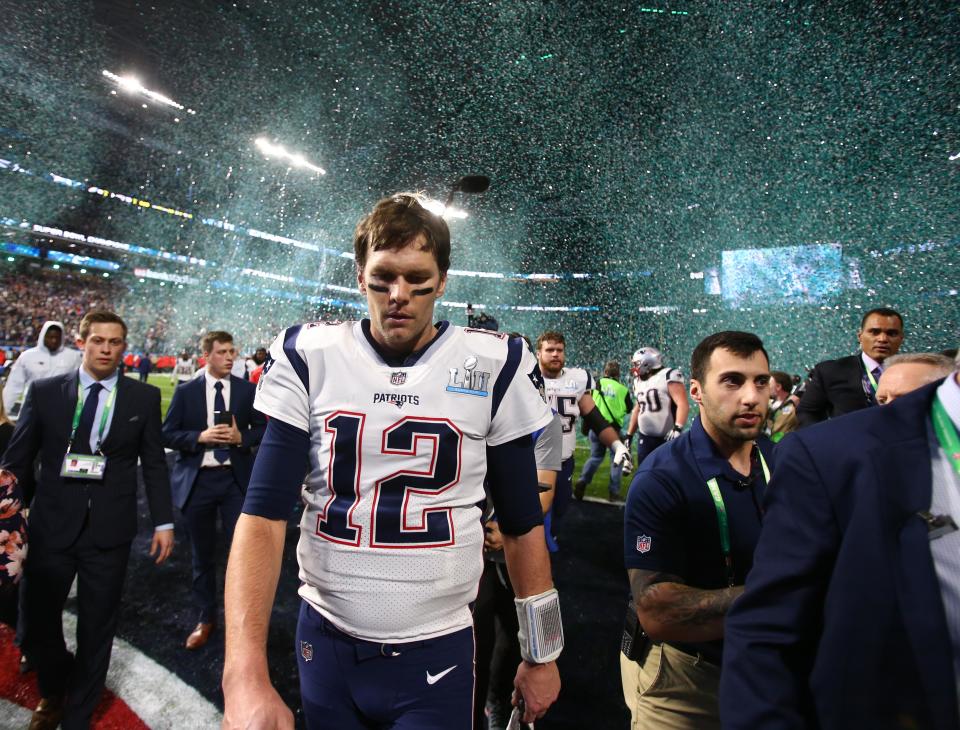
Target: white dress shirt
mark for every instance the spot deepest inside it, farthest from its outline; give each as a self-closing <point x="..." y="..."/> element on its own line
<point x="208" y="458"/>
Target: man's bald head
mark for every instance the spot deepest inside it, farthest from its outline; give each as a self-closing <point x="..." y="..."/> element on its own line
<point x="905" y="373"/>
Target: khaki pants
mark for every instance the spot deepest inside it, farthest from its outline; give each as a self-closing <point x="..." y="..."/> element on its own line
<point x="671" y="690"/>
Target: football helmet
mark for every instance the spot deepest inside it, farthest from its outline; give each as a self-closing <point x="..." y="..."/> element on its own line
<point x="645" y="360"/>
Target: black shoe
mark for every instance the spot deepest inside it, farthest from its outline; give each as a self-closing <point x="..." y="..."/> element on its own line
<point x="579" y="488"/>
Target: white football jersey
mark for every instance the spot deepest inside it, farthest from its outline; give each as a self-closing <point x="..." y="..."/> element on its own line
<point x="563" y="395"/>
<point x="657" y="411"/>
<point x="391" y="540"/>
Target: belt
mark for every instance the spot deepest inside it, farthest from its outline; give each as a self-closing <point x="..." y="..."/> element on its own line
<point x="364" y="649"/>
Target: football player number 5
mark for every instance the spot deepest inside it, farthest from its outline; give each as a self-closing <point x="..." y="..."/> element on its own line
<point x="393" y="524"/>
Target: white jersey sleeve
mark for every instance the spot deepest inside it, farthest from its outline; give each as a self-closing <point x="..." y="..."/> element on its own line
<point x="283" y="388"/>
<point x="520" y="409"/>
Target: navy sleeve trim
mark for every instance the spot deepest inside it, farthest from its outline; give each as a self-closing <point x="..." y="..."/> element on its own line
<point x="514" y="353"/>
<point x="278" y="471"/>
<point x="512" y="478"/>
<point x="290" y="350"/>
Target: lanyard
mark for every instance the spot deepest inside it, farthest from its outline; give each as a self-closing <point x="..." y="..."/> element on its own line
<point x="103" y="416"/>
<point x="873" y="380"/>
<point x="722" y="517"/>
<point x="946" y="433"/>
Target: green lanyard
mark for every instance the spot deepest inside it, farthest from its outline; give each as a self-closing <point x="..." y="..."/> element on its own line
<point x="722" y="517"/>
<point x="873" y="380"/>
<point x="103" y="416"/>
<point x="946" y="433"/>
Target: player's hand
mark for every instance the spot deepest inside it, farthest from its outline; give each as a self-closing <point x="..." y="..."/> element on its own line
<point x="539" y="684"/>
<point x="220" y="434"/>
<point x="492" y="537"/>
<point x="255" y="706"/>
<point x="621" y="458"/>
<point x="673" y="433"/>
<point x="161" y="545"/>
<point x="629" y="442"/>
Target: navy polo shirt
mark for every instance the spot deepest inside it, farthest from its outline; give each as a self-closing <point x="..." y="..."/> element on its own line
<point x="670" y="522"/>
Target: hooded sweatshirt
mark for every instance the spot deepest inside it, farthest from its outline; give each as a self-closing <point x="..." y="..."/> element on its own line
<point x="39" y="362"/>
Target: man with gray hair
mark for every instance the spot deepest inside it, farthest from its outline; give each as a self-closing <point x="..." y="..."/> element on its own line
<point x="907" y="372"/>
<point x="858" y="557"/>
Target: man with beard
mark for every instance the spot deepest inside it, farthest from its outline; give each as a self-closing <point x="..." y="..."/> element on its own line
<point x="692" y="521"/>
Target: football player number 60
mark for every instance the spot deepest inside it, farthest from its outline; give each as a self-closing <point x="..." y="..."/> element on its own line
<point x="392" y="524"/>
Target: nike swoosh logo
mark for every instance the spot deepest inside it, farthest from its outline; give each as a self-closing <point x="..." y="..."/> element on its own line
<point x="434" y="678"/>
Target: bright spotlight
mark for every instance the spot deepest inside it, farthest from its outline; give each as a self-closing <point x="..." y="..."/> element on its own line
<point x="444" y="211"/>
<point x="132" y="85"/>
<point x="295" y="159"/>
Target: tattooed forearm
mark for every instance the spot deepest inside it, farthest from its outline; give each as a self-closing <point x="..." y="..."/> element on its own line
<point x="671" y="611"/>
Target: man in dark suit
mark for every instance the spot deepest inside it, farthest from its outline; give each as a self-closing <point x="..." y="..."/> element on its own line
<point x="851" y="613"/>
<point x="88" y="427"/>
<point x="849" y="383"/>
<point x="213" y="426"/>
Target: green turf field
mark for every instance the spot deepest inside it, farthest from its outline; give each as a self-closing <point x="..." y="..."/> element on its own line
<point x="596" y="488"/>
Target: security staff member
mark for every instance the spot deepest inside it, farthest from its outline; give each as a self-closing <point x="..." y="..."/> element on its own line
<point x="692" y="520"/>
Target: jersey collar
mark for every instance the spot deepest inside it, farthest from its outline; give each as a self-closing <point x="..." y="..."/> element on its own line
<point x="395" y="361"/>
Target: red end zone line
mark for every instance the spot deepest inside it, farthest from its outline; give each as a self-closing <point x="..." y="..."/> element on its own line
<point x="111" y="714"/>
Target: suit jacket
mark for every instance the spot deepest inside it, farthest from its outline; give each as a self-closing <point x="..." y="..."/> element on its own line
<point x="61" y="506"/>
<point x="842" y="625"/>
<point x="187" y="417"/>
<point x="835" y="387"/>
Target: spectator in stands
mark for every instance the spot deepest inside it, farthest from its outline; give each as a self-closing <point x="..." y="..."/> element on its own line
<point x="256" y="360"/>
<point x="782" y="416"/>
<point x="906" y="373"/>
<point x="144" y="366"/>
<point x="50" y="357"/>
<point x="848" y="384"/>
<point x="614" y="403"/>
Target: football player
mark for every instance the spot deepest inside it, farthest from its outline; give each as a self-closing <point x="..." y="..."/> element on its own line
<point x="568" y="393"/>
<point x="661" y="407"/>
<point x="395" y="421"/>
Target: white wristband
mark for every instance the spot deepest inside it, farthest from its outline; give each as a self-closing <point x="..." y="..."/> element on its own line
<point x="541" y="628"/>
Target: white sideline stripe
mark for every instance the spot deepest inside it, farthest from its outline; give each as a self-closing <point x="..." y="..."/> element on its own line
<point x="159" y="697"/>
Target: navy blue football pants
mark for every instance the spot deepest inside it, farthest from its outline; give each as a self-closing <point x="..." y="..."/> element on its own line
<point x="351" y="684"/>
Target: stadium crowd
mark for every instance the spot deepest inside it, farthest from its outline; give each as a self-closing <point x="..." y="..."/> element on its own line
<point x="787" y="544"/>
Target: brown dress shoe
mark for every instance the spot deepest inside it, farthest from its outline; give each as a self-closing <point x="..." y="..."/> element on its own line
<point x="200" y="635"/>
<point x="48" y="714"/>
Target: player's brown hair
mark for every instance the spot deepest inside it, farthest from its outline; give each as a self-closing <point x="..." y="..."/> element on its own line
<point x="551" y="336"/>
<point x="398" y="220"/>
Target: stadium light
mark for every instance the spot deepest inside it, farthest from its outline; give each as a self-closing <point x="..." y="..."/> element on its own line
<point x="132" y="85"/>
<point x="271" y="149"/>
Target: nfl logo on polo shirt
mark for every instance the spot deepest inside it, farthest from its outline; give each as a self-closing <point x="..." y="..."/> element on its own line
<point x="398" y="378"/>
<point x="643" y="543"/>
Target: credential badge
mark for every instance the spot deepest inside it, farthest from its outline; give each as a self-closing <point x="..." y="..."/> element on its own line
<point x="644" y="542"/>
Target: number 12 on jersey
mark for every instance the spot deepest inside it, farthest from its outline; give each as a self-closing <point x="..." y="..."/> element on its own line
<point x="391" y="523"/>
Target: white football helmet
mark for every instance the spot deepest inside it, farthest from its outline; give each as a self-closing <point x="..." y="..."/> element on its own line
<point x="645" y="360"/>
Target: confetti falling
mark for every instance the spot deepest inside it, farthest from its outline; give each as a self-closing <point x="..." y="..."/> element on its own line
<point x="657" y="172"/>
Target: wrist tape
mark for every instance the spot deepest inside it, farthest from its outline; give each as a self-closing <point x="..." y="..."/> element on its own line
<point x="541" y="629"/>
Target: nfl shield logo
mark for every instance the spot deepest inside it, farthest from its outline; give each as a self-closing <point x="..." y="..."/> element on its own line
<point x="398" y="378"/>
<point x="643" y="543"/>
<point x="306" y="651"/>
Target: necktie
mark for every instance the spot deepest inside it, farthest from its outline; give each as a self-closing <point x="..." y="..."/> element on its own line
<point x="220" y="455"/>
<point x="876" y="372"/>
<point x="81" y="441"/>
